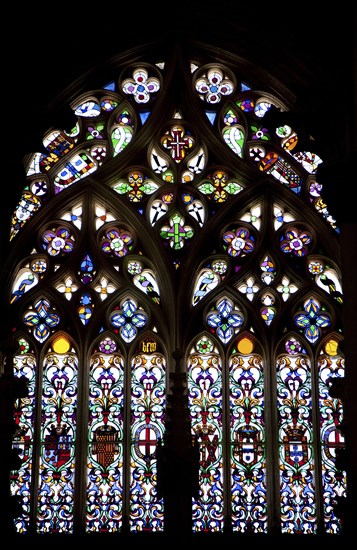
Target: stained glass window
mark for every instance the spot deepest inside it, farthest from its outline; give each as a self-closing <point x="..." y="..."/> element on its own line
<point x="198" y="228"/>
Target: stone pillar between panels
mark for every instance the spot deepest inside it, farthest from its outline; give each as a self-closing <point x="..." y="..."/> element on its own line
<point x="348" y="507"/>
<point x="177" y="467"/>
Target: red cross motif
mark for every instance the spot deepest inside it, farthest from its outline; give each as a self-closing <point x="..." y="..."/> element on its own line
<point x="146" y="438"/>
<point x="177" y="143"/>
<point x="147" y="441"/>
<point x="334" y="441"/>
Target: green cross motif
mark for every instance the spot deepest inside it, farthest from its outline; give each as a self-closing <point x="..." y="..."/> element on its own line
<point x="176" y="232"/>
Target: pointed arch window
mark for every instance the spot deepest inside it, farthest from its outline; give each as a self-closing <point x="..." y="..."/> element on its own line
<point x="151" y="226"/>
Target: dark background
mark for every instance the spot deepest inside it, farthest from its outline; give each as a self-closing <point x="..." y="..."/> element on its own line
<point x="308" y="46"/>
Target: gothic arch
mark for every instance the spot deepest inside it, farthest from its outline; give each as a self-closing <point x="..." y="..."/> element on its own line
<point x="177" y="216"/>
